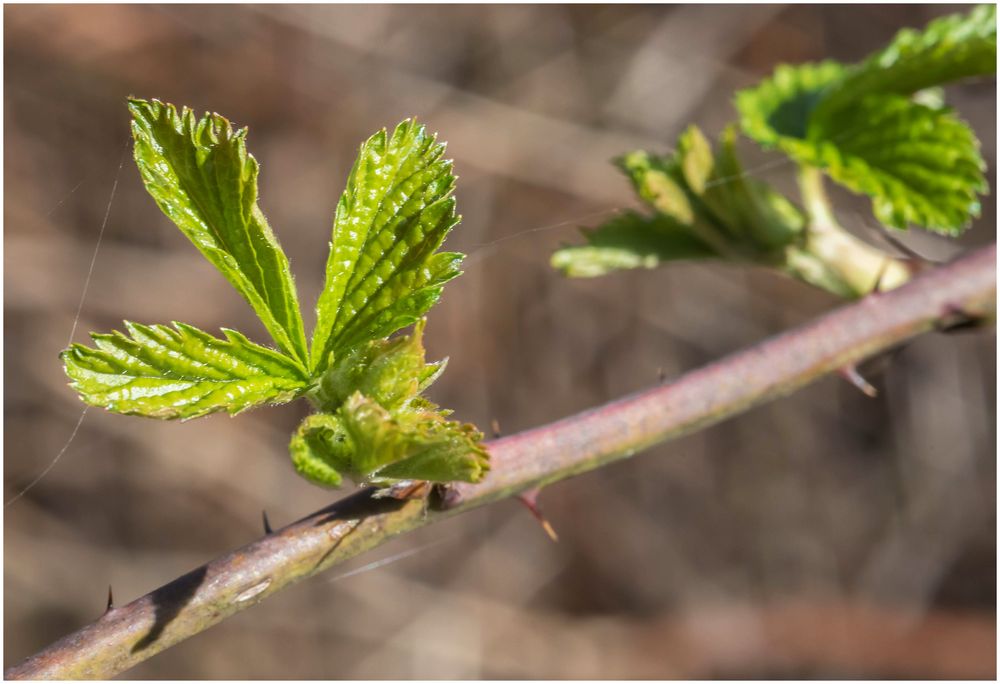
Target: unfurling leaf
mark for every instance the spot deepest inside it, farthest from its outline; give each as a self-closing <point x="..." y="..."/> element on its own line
<point x="383" y="273"/>
<point x="375" y="427"/>
<point x="181" y="372"/>
<point x="205" y="181"/>
<point x="374" y="446"/>
<point x="392" y="372"/>
<point x="704" y="208"/>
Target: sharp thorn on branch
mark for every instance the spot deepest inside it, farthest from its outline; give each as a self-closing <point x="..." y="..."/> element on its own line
<point x="530" y="500"/>
<point x="495" y="427"/>
<point x="661" y="375"/>
<point x="957" y="319"/>
<point x="851" y="374"/>
<point x="267" y="523"/>
<point x="111" y="601"/>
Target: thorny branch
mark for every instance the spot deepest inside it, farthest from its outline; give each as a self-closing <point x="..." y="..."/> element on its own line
<point x="943" y="298"/>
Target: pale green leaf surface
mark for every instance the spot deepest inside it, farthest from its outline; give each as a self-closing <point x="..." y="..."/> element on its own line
<point x="370" y="444"/>
<point x="630" y="240"/>
<point x="320" y="451"/>
<point x="389" y="371"/>
<point x="382" y="273"/>
<point x="695" y="154"/>
<point x="660" y="182"/>
<point x="181" y="372"/>
<point x="758" y="219"/>
<point x="200" y="174"/>
<point x="918" y="164"/>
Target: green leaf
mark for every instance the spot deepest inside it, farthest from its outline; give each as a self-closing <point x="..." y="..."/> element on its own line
<point x="776" y="112"/>
<point x="391" y="372"/>
<point x="919" y="165"/>
<point x="630" y="240"/>
<point x="320" y="451"/>
<point x="949" y="48"/>
<point x="382" y="273"/>
<point x="695" y="154"/>
<point x="758" y="220"/>
<point x="660" y="182"/>
<point x="913" y="157"/>
<point x="180" y="372"/>
<point x="200" y="174"/>
<point x="370" y="444"/>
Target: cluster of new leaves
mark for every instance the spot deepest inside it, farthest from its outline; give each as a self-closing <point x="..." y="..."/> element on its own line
<point x="380" y="428"/>
<point x="383" y="273"/>
<point x="878" y="127"/>
<point x="873" y="127"/>
<point x="705" y="207"/>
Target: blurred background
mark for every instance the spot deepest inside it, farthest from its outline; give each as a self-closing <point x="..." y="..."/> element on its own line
<point x="824" y="535"/>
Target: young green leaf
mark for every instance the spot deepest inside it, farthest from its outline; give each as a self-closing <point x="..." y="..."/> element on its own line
<point x="870" y="126"/>
<point x="755" y="217"/>
<point x="372" y="445"/>
<point x="374" y="426"/>
<point x="630" y="240"/>
<point x="918" y="164"/>
<point x="392" y="372"/>
<point x="320" y="451"/>
<point x="180" y="372"/>
<point x="950" y="48"/>
<point x="199" y="172"/>
<point x="382" y="273"/>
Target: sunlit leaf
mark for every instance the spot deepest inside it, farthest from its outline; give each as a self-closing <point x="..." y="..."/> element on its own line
<point x="199" y="172"/>
<point x="180" y="372"/>
<point x="383" y="273"/>
<point x="880" y="128"/>
<point x="370" y="444"/>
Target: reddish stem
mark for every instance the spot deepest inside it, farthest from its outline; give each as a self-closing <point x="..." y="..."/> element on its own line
<point x="127" y="635"/>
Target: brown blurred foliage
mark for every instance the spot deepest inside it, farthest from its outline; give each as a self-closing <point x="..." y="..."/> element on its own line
<point x="827" y="534"/>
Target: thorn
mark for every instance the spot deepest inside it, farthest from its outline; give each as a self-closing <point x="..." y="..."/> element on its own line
<point x="661" y="374"/>
<point x="956" y="319"/>
<point x="851" y="374"/>
<point x="530" y="500"/>
<point x="267" y="523"/>
<point x="495" y="426"/>
<point x="111" y="601"/>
